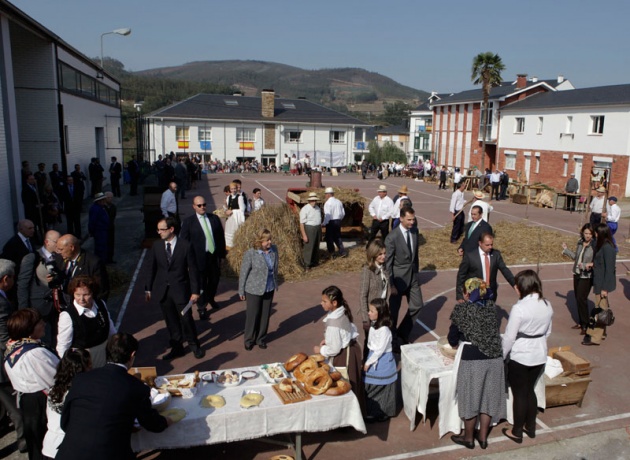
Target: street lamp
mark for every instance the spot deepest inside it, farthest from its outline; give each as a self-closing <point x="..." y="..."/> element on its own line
<point x="126" y="31"/>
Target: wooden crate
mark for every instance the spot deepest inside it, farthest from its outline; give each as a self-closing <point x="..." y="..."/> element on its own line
<point x="562" y="391"/>
<point x="519" y="198"/>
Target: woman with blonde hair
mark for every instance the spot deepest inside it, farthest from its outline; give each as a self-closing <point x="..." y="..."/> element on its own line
<point x="258" y="280"/>
<point x="235" y="211"/>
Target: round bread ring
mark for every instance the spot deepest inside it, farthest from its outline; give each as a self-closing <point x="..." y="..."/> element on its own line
<point x="303" y="370"/>
<point x="318" y="382"/>
<point x="294" y="361"/>
<point x="324" y="366"/>
<point x="318" y="358"/>
<point x="341" y="387"/>
<point x="335" y="375"/>
<point x="286" y="386"/>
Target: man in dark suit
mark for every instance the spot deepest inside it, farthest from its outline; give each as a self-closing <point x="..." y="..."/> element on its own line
<point x="20" y="244"/>
<point x="95" y="170"/>
<point x="473" y="230"/>
<point x="79" y="262"/>
<point x="72" y="199"/>
<point x="100" y="409"/>
<point x="41" y="177"/>
<point x="401" y="265"/>
<point x="133" y="168"/>
<point x="115" y="171"/>
<point x="475" y="265"/>
<point x="174" y="282"/>
<point x="57" y="178"/>
<point x="32" y="203"/>
<point x="205" y="234"/>
<point x="79" y="180"/>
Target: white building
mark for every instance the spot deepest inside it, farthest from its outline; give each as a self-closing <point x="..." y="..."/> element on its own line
<point x="421" y="129"/>
<point x="239" y="128"/>
<point x="57" y="107"/>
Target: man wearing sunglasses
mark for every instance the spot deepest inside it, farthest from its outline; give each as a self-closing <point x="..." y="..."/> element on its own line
<point x="204" y="232"/>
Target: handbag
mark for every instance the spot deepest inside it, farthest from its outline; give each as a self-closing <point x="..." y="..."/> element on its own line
<point x="603" y="318"/>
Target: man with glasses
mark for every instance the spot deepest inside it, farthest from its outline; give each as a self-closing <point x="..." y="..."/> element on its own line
<point x="204" y="232"/>
<point x="174" y="282"/>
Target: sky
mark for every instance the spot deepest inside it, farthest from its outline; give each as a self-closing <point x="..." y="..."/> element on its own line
<point x="427" y="45"/>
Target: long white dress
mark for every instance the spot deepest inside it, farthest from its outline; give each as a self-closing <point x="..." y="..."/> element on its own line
<point x="234" y="221"/>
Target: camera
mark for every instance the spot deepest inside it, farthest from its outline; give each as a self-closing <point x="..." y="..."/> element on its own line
<point x="55" y="273"/>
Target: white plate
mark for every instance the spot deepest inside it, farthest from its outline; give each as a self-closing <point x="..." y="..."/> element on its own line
<point x="233" y="384"/>
<point x="265" y="370"/>
<point x="207" y="377"/>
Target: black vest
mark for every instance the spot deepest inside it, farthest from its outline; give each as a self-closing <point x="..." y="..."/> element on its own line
<point x="233" y="202"/>
<point x="89" y="332"/>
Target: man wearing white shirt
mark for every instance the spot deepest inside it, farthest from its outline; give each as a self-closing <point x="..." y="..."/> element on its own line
<point x="457" y="178"/>
<point x="486" y="208"/>
<point x="168" y="203"/>
<point x="456" y="208"/>
<point x="311" y="230"/>
<point x="495" y="182"/>
<point x="333" y="215"/>
<point x="612" y="215"/>
<point x="597" y="207"/>
<point x="381" y="209"/>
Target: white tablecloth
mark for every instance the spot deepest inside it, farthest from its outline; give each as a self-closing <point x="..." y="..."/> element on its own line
<point x="422" y="362"/>
<point x="232" y="423"/>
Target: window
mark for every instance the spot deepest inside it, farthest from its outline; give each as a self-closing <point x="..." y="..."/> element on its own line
<point x="337" y="137"/>
<point x="182" y="133"/>
<point x="539" y="128"/>
<point x="82" y="85"/>
<point x="205" y="134"/>
<point x="537" y="164"/>
<point x="421" y="142"/>
<point x="510" y="160"/>
<point x="519" y="128"/>
<point x="288" y="105"/>
<point x="245" y="134"/>
<point x="488" y="127"/>
<point x="597" y="124"/>
<point x="231" y="102"/>
<point x="565" y="170"/>
<point x="569" y="125"/>
<point x="293" y="137"/>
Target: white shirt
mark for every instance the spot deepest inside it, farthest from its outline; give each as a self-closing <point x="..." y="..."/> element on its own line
<point x="381" y="208"/>
<point x="379" y="342"/>
<point x="333" y="210"/>
<point x="66" y="331"/>
<point x="397" y="204"/>
<point x="337" y="338"/>
<point x="532" y="316"/>
<point x="457" y="201"/>
<point x="613" y="213"/>
<point x="33" y="372"/>
<point x="597" y="205"/>
<point x="482" y="255"/>
<point x="457" y="177"/>
<point x="168" y="203"/>
<point x="311" y="215"/>
<point x="495" y="177"/>
<point x="406" y="234"/>
<point x="258" y="203"/>
<point x="486" y="209"/>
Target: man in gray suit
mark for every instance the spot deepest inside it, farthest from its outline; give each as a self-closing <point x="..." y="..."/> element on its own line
<point x="401" y="265"/>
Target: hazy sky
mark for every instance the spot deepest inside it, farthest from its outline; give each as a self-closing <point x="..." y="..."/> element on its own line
<point x="427" y="45"/>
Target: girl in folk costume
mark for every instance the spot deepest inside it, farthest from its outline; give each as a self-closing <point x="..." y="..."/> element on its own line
<point x="235" y="210"/>
<point x="340" y="339"/>
<point x="380" y="367"/>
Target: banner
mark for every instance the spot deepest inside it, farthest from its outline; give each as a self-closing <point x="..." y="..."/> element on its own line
<point x="246" y="145"/>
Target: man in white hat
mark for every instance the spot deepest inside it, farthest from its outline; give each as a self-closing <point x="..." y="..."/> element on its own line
<point x="333" y="215"/>
<point x="487" y="208"/>
<point x="571" y="189"/>
<point x="597" y="206"/>
<point x="311" y="229"/>
<point x="381" y="209"/>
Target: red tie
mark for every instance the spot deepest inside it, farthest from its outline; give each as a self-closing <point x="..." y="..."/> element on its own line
<point x="487" y="262"/>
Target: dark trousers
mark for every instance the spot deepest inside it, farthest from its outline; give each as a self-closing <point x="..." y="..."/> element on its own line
<point x="97" y="186"/>
<point x="74" y="223"/>
<point x="458" y="226"/>
<point x="413" y="294"/>
<point x="495" y="190"/>
<point x="7" y="399"/>
<point x="209" y="281"/>
<point x="133" y="185"/>
<point x="333" y="236"/>
<point x="33" y="407"/>
<point x="310" y="251"/>
<point x="503" y="194"/>
<point x="115" y="180"/>
<point x="257" y="317"/>
<point x="522" y="381"/>
<point x="570" y="203"/>
<point x="442" y="184"/>
<point x="613" y="229"/>
<point x="383" y="226"/>
<point x="100" y="244"/>
<point x="581" y="290"/>
<point x="179" y="327"/>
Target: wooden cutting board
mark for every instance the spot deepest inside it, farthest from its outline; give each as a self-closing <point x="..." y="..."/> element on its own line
<point x="298" y="394"/>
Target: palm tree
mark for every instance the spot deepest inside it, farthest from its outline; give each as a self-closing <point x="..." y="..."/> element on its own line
<point x="486" y="70"/>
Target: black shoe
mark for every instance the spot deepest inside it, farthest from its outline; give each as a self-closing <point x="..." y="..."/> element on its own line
<point x="199" y="353"/>
<point x="482" y="444"/>
<point x="249" y="347"/>
<point x="344" y="255"/>
<point x="511" y="436"/>
<point x="462" y="442"/>
<point x="588" y="342"/>
<point x="530" y="433"/>
<point x="174" y="353"/>
<point x="203" y="315"/>
<point x="214" y="305"/>
<point x="262" y="346"/>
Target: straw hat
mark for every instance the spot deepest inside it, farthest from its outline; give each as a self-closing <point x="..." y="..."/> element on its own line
<point x="601" y="190"/>
<point x="313" y="197"/>
<point x="479" y="195"/>
<point x="329" y="190"/>
<point x="382" y="188"/>
<point x="403" y="189"/>
<point x="98" y="197"/>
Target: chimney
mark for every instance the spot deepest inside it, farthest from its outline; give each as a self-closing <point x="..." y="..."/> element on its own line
<point x="521" y="80"/>
<point x="560" y="78"/>
<point x="267" y="102"/>
<point x="534" y="79"/>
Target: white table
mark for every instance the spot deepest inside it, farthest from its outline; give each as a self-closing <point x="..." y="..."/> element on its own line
<point x="423" y="362"/>
<point x="231" y="423"/>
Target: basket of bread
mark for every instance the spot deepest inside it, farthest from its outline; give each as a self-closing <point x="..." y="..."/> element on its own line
<point x="179" y="385"/>
<point x="315" y="376"/>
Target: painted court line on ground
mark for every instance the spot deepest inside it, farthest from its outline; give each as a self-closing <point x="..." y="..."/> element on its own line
<point x="132" y="284"/>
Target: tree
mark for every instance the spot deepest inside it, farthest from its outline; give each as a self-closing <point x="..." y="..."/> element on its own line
<point x="395" y="113"/>
<point x="486" y="70"/>
<point x="386" y="153"/>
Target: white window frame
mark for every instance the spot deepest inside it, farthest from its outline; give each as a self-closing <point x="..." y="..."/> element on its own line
<point x="519" y="125"/>
<point x="537" y="164"/>
<point x="245" y="134"/>
<point x="569" y="125"/>
<point x="510" y="160"/>
<point x="205" y="134"/>
<point x="293" y="136"/>
<point x="337" y="137"/>
<point x="565" y="170"/>
<point x="597" y="125"/>
<point x="539" y="128"/>
<point x="182" y="133"/>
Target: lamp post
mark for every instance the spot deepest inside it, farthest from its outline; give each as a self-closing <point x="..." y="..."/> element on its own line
<point x="126" y="31"/>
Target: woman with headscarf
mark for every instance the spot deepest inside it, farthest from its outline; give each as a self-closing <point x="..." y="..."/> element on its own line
<point x="480" y="375"/>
